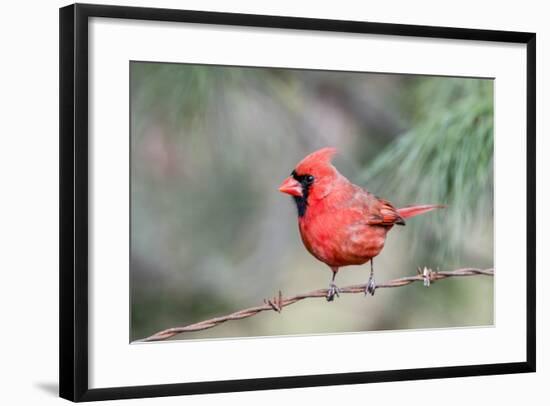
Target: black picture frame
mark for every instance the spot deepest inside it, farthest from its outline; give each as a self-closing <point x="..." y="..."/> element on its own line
<point x="73" y="332"/>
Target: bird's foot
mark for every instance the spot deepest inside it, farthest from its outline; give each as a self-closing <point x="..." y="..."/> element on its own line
<point x="332" y="291"/>
<point x="371" y="286"/>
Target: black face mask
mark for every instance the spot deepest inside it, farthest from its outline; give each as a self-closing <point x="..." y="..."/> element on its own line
<point x="301" y="201"/>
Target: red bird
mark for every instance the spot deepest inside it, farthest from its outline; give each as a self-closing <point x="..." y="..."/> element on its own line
<point x="341" y="223"/>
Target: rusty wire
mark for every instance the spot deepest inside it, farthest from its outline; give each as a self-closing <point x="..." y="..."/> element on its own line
<point x="426" y="275"/>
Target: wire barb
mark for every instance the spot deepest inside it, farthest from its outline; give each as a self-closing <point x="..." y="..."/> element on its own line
<point x="276" y="302"/>
<point x="426" y="275"/>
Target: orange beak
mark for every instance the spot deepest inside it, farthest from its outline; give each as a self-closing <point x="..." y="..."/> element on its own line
<point x="291" y="186"/>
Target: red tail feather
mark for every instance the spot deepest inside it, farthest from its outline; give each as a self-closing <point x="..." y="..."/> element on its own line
<point x="411" y="211"/>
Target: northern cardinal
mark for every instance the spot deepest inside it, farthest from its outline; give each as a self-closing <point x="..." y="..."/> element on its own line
<point x="341" y="223"/>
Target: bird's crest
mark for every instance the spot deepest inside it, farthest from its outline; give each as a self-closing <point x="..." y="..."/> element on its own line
<point x="316" y="161"/>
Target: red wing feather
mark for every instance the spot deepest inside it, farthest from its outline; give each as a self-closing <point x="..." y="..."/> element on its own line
<point x="384" y="214"/>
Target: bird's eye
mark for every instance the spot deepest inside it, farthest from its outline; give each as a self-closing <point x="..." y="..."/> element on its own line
<point x="309" y="179"/>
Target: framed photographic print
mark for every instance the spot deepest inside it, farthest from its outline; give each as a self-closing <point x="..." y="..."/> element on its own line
<point x="279" y="202"/>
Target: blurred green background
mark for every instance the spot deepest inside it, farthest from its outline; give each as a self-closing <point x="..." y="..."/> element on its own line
<point x="211" y="234"/>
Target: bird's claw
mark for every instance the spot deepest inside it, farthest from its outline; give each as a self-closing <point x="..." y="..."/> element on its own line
<point x="371" y="286"/>
<point x="332" y="291"/>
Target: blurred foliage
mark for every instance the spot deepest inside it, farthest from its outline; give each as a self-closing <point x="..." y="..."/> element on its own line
<point x="447" y="155"/>
<point x="211" y="234"/>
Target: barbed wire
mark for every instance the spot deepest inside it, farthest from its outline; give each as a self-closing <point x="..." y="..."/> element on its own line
<point x="426" y="275"/>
